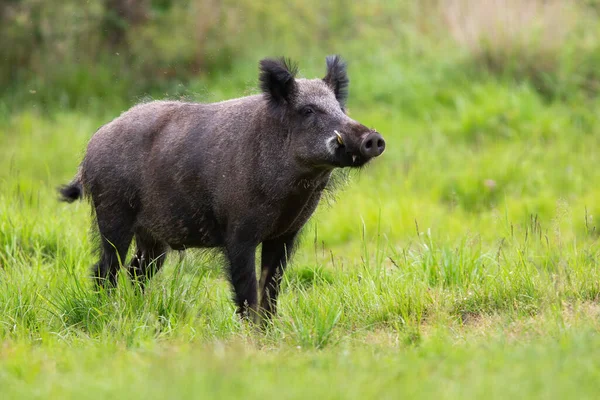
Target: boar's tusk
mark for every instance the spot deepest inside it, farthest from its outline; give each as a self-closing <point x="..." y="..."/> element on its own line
<point x="339" y="137"/>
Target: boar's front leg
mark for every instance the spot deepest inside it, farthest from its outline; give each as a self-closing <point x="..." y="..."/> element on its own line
<point x="274" y="258"/>
<point x="240" y="255"/>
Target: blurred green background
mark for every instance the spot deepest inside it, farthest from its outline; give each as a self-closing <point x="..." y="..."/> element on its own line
<point x="110" y="53"/>
<point x="462" y="263"/>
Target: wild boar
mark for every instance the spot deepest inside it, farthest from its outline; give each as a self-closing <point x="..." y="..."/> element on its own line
<point x="228" y="175"/>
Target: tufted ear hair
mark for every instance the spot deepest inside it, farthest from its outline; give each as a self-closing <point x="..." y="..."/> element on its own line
<point x="337" y="78"/>
<point x="278" y="82"/>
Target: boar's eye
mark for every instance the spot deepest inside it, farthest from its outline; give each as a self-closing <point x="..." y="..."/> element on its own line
<point x="308" y="110"/>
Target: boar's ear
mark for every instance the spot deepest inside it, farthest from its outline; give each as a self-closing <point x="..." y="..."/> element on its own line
<point x="337" y="78"/>
<point x="277" y="81"/>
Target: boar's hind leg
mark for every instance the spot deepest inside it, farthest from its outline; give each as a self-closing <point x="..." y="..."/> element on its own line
<point x="243" y="276"/>
<point x="274" y="258"/>
<point x="148" y="259"/>
<point x="116" y="234"/>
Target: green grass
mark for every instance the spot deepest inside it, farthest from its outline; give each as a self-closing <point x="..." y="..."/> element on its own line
<point x="462" y="264"/>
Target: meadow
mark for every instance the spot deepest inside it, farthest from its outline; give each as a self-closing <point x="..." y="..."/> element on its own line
<point x="462" y="263"/>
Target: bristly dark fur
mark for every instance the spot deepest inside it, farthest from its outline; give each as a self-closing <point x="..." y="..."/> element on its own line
<point x="337" y="78"/>
<point x="338" y="181"/>
<point x="277" y="82"/>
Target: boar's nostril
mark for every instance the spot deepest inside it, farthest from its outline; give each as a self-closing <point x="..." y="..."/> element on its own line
<point x="372" y="145"/>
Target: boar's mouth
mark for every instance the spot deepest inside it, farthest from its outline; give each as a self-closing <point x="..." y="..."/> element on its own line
<point x="345" y="154"/>
<point x="351" y="159"/>
<point x="354" y="151"/>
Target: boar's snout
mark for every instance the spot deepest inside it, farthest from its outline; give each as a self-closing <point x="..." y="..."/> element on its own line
<point x="372" y="145"/>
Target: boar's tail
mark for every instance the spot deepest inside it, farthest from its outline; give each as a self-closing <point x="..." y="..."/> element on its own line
<point x="73" y="191"/>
